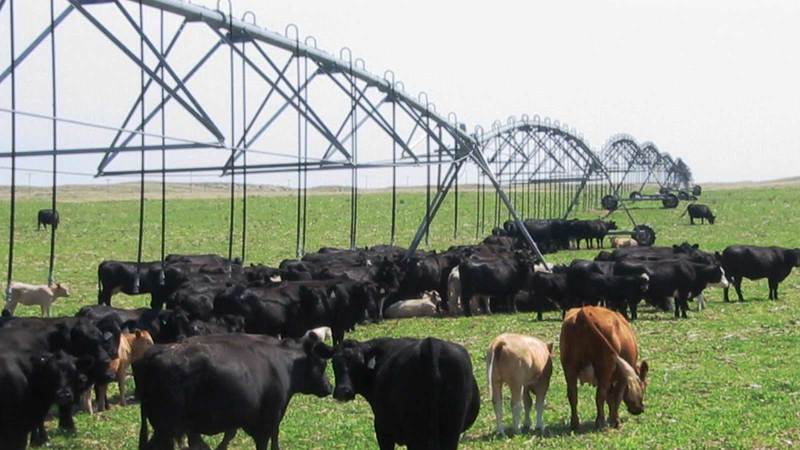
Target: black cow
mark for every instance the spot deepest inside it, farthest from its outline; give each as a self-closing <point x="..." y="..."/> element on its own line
<point x="179" y="326"/>
<point x="500" y="277"/>
<point x="702" y="212"/>
<point x="30" y="383"/>
<point x="122" y="276"/>
<point x="47" y="217"/>
<point x="76" y="336"/>
<point x="422" y="392"/>
<point x="217" y="384"/>
<point x="549" y="290"/>
<point x="676" y="278"/>
<point x="147" y="319"/>
<point x="751" y="262"/>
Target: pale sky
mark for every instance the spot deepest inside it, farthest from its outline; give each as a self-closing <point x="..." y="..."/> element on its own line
<point x="712" y="82"/>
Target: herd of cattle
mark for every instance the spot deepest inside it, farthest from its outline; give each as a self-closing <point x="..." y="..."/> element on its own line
<point x="224" y="346"/>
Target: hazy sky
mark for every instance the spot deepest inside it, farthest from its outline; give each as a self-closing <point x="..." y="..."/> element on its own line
<point x="713" y="82"/>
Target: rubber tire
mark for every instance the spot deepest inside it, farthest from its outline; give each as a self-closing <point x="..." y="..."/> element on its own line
<point x="670" y="201"/>
<point x="644" y="235"/>
<point x="697" y="189"/>
<point x="609" y="203"/>
<point x="635" y="195"/>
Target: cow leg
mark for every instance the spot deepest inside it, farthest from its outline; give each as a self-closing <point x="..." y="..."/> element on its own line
<point x="614" y="400"/>
<point x="384" y="437"/>
<point x="527" y="403"/>
<point x="516" y="407"/>
<point x="65" y="419"/>
<point x="497" y="403"/>
<point x="541" y="392"/>
<point x="572" y="396"/>
<point x="737" y="284"/>
<point x="466" y="298"/>
<point x="196" y="442"/>
<point x="773" y="289"/>
<point x="38" y="437"/>
<point x="86" y="402"/>
<point x="226" y="440"/>
<point x="634" y="306"/>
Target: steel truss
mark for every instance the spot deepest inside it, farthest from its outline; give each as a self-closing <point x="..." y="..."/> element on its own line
<point x="361" y="118"/>
<point x="547" y="167"/>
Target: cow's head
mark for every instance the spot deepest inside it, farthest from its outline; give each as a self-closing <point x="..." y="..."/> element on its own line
<point x="139" y="342"/>
<point x="353" y="364"/>
<point x="796" y="254"/>
<point x="369" y="299"/>
<point x="611" y="226"/>
<point x="60" y="290"/>
<point x="711" y="218"/>
<point x="635" y="385"/>
<point x="59" y="376"/>
<point x="309" y="376"/>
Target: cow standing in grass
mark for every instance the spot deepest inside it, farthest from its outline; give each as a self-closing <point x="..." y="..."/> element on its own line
<point x="754" y="263"/>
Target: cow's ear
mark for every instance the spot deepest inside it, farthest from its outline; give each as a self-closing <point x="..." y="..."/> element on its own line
<point x="696" y="246"/>
<point x="643" y="369"/>
<point x="371" y="362"/>
<point x="550" y="348"/>
<point x="41" y="359"/>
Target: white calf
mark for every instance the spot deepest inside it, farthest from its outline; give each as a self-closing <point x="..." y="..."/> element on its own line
<point x="525" y="364"/>
<point x="30" y="295"/>
<point x="427" y="306"/>
<point x="620" y="242"/>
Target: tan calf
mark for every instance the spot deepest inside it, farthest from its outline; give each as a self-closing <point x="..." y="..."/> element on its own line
<point x="525" y="364"/>
<point x="427" y="306"/>
<point x="131" y="348"/>
<point x="33" y="294"/>
<point x="621" y="242"/>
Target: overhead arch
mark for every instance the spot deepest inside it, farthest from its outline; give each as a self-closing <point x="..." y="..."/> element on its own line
<point x="543" y="165"/>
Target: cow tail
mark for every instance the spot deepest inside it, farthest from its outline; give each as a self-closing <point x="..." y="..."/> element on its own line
<point x="494" y="355"/>
<point x="430" y="352"/>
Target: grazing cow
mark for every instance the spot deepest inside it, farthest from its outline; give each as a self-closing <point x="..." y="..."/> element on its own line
<point x="623" y="242"/>
<point x="427" y="306"/>
<point x="525" y="364"/>
<point x="702" y="212"/>
<point x="422" y="392"/>
<point x="31" y="295"/>
<point x="47" y="217"/>
<point x="220" y="383"/>
<point x="131" y="348"/>
<point x="598" y="346"/>
<point x="30" y="383"/>
<point x="753" y="263"/>
<point x="454" y="299"/>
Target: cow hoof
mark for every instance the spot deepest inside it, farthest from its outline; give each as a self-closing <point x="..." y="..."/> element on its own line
<point x="599" y="424"/>
<point x="526" y="429"/>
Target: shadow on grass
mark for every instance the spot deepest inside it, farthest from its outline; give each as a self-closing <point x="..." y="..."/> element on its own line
<point x="552" y="431"/>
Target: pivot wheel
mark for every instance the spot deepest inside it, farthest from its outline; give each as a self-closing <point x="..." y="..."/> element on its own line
<point x="635" y="195"/>
<point x="670" y="201"/>
<point x="610" y="203"/>
<point x="644" y="235"/>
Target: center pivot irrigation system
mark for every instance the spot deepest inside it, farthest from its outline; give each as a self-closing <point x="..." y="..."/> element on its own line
<point x="283" y="106"/>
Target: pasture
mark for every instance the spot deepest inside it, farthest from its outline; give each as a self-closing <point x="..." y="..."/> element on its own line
<point x="728" y="377"/>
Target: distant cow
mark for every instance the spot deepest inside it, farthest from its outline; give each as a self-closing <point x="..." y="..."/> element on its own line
<point x="122" y="276"/>
<point x="422" y="392"/>
<point x="754" y="263"/>
<point x="131" y="348"/>
<point x="702" y="212"/>
<point x="427" y="306"/>
<point x="598" y="346"/>
<point x="220" y="383"/>
<point x="47" y="217"/>
<point x="525" y="364"/>
<point x="622" y="242"/>
<point x="31" y="295"/>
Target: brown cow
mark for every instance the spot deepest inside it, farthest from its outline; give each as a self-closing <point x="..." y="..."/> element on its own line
<point x="131" y="348"/>
<point x="525" y="364"/>
<point x="599" y="347"/>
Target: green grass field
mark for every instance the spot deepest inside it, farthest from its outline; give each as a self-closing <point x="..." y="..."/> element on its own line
<point x="728" y="377"/>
